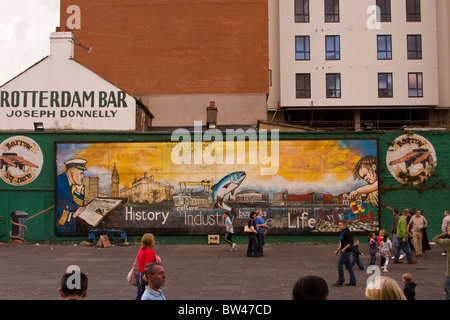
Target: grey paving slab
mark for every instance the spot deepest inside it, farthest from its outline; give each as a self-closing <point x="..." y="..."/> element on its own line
<point x="200" y="272"/>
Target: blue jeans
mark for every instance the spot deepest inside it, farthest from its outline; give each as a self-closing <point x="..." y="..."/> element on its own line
<point x="141" y="283"/>
<point x="259" y="247"/>
<point x="252" y="245"/>
<point x="344" y="260"/>
<point x="358" y="263"/>
<point x="447" y="288"/>
<point x="405" y="247"/>
<point x="373" y="259"/>
<point x="395" y="242"/>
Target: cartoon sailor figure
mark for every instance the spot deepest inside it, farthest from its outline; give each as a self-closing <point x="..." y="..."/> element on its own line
<point x="70" y="195"/>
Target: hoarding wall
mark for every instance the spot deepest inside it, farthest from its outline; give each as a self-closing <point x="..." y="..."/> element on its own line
<point x="180" y="184"/>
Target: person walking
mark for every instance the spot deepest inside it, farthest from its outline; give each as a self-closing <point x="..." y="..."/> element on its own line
<point x="402" y="240"/>
<point x="356" y="253"/>
<point x="410" y="286"/>
<point x="145" y="256"/>
<point x="396" y="215"/>
<point x="345" y="250"/>
<point x="260" y="225"/>
<point x="445" y="228"/>
<point x="384" y="288"/>
<point x="443" y="241"/>
<point x="156" y="278"/>
<point x="229" y="231"/>
<point x="73" y="292"/>
<point x="373" y="249"/>
<point x="252" y="242"/>
<point x="310" y="288"/>
<point x="379" y="238"/>
<point x="385" y="250"/>
<point x="417" y="223"/>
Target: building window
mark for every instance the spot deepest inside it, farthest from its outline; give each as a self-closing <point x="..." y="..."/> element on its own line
<point x="302" y="48"/>
<point x="303" y="85"/>
<point x="333" y="85"/>
<point x="332" y="48"/>
<point x="413" y="12"/>
<point x="385" y="86"/>
<point x="385" y="10"/>
<point x="331" y="10"/>
<point x="384" y="47"/>
<point x="415" y="46"/>
<point x="301" y="10"/>
<point x="415" y="85"/>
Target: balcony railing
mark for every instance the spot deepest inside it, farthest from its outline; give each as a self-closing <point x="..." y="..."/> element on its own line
<point x="389" y="125"/>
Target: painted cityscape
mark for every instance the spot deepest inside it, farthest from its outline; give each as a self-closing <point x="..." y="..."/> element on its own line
<point x="317" y="184"/>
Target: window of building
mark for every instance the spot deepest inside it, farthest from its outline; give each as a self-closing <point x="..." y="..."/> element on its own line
<point x="415" y="85"/>
<point x="413" y="12"/>
<point x="301" y="10"/>
<point x="332" y="48"/>
<point x="415" y="46"/>
<point x="331" y="10"/>
<point x="333" y="85"/>
<point x="384" y="47"/>
<point x="385" y="10"/>
<point x="302" y="50"/>
<point x="303" y="85"/>
<point x="385" y="85"/>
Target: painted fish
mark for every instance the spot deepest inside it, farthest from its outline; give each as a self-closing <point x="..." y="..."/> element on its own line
<point x="227" y="185"/>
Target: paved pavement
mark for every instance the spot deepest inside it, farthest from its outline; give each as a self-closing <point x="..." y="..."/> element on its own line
<point x="200" y="272"/>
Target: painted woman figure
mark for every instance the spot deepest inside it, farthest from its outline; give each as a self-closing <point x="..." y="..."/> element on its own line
<point x="366" y="169"/>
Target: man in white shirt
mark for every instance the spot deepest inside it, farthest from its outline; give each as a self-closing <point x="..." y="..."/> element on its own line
<point x="155" y="276"/>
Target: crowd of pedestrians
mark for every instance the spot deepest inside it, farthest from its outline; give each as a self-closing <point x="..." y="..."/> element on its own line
<point x="408" y="234"/>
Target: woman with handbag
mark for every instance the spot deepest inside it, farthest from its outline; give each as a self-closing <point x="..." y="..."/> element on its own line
<point x="145" y="256"/>
<point x="251" y="232"/>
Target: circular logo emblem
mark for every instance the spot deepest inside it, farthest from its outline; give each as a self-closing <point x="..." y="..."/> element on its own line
<point x="411" y="159"/>
<point x="21" y="160"/>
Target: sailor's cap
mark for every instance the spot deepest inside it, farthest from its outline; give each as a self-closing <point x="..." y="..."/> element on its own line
<point x="76" y="163"/>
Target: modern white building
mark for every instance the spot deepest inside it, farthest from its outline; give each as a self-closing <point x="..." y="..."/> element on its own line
<point x="355" y="63"/>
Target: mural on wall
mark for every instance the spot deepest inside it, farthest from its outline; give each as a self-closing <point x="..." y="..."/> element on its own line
<point x="411" y="159"/>
<point x="318" y="183"/>
<point x="21" y="160"/>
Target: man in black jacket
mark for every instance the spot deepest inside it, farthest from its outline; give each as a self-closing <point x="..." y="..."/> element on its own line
<point x="345" y="248"/>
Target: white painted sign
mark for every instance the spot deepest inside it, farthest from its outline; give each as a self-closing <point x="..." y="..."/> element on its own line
<point x="64" y="95"/>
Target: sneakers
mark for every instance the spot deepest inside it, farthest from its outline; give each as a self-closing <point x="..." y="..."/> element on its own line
<point x="402" y="256"/>
<point x="443" y="254"/>
<point x="234" y="247"/>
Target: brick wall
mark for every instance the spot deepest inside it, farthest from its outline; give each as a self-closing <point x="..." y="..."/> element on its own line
<point x="173" y="46"/>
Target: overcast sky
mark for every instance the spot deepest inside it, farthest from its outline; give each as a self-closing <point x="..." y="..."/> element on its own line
<point x="25" y="27"/>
